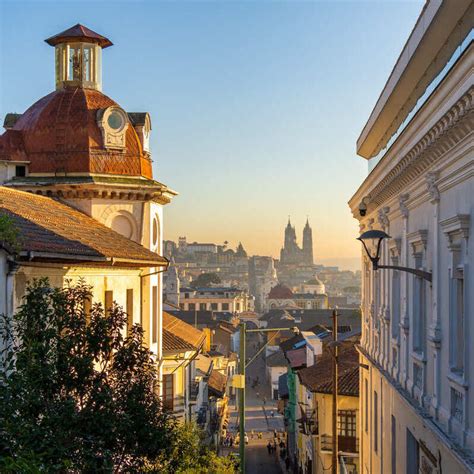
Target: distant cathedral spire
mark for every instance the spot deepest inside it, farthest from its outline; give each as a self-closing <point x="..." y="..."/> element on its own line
<point x="308" y="243"/>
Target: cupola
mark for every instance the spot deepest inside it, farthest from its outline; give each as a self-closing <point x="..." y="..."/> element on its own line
<point x="78" y="53"/>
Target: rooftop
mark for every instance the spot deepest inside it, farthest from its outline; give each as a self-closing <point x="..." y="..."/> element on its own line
<point x="180" y="336"/>
<point x="50" y="230"/>
<point x="79" y="33"/>
<point x="318" y="377"/>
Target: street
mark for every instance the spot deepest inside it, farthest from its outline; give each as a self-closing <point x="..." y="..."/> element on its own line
<point x="258" y="418"/>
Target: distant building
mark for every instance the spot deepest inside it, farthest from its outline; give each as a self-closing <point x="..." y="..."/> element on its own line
<point x="262" y="278"/>
<point x="218" y="299"/>
<point x="291" y="253"/>
<point x="281" y="296"/>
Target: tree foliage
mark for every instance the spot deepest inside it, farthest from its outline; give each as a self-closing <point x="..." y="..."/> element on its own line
<point x="8" y="233"/>
<point x="205" y="280"/>
<point x="76" y="395"/>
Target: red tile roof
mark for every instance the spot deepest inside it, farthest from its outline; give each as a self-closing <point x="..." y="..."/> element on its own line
<point x="280" y="292"/>
<point x="50" y="230"/>
<point x="179" y="336"/>
<point x="79" y="33"/>
<point x="318" y="377"/>
<point x="217" y="383"/>
<point x="60" y="134"/>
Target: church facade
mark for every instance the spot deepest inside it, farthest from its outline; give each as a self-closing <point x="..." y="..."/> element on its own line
<point x="292" y="253"/>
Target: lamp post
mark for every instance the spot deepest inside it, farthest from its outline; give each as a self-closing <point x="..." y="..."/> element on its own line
<point x="242" y="366"/>
<point x="377" y="236"/>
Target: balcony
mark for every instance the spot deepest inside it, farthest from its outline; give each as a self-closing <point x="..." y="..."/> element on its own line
<point x="346" y="444"/>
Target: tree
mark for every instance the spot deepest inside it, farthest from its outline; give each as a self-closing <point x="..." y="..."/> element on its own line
<point x="205" y="280"/>
<point x="8" y="233"/>
<point x="76" y="395"/>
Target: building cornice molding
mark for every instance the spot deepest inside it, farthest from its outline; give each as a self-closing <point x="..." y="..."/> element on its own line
<point x="450" y="130"/>
<point x="454" y="126"/>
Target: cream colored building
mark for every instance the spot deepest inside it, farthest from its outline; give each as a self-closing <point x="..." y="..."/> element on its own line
<point x="77" y="181"/>
<point x="416" y="398"/>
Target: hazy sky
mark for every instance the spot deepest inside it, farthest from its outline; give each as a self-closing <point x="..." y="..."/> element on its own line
<point x="256" y="106"/>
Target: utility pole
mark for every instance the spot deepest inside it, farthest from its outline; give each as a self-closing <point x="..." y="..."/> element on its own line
<point x="242" y="400"/>
<point x="335" y="459"/>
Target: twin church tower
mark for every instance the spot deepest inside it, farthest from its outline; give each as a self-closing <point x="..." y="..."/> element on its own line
<point x="291" y="253"/>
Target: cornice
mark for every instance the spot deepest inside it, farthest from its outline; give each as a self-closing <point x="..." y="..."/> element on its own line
<point x="456" y="124"/>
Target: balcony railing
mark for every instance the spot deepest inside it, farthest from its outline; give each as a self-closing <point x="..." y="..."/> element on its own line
<point x="346" y="444"/>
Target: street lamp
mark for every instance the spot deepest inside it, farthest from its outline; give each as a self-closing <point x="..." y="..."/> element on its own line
<point x="376" y="237"/>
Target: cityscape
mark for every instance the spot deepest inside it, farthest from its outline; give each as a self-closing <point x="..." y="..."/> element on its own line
<point x="202" y="329"/>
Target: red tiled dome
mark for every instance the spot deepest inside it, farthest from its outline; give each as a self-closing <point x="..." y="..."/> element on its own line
<point x="280" y="292"/>
<point x="60" y="134"/>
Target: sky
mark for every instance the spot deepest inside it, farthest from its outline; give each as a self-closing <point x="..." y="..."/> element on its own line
<point x="256" y="106"/>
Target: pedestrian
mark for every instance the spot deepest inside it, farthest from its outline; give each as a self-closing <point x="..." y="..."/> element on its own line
<point x="269" y="448"/>
<point x="275" y="433"/>
<point x="260" y="435"/>
<point x="231" y="441"/>
<point x="251" y="434"/>
<point x="258" y="394"/>
<point x="272" y="414"/>
<point x="264" y="400"/>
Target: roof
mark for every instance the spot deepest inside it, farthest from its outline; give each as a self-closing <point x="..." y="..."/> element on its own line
<point x="50" y="230"/>
<point x="304" y="319"/>
<point x="79" y="33"/>
<point x="437" y="33"/>
<point x="296" y="357"/>
<point x="277" y="359"/>
<point x="280" y="292"/>
<point x="178" y="335"/>
<point x="204" y="364"/>
<point x="291" y="343"/>
<point x="202" y="318"/>
<point x="79" y="148"/>
<point x="283" y="391"/>
<point x="217" y="383"/>
<point x="318" y="377"/>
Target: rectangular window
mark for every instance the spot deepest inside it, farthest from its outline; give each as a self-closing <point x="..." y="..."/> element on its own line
<point x="20" y="170"/>
<point x="129" y="311"/>
<point x="376" y="422"/>
<point x="109" y="300"/>
<point x="366" y="406"/>
<point x="457" y="405"/>
<point x="346" y="423"/>
<point x="191" y="306"/>
<point x="413" y="454"/>
<point x="394" y="445"/>
<point x="418" y="375"/>
<point x="225" y="306"/>
<point x="87" y="308"/>
<point x="214" y="306"/>
<point x="202" y="306"/>
<point x="168" y="391"/>
<point x="457" y="321"/>
<point x="154" y="325"/>
<point x="238" y="306"/>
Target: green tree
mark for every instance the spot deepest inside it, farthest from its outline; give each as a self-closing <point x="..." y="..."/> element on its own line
<point x="205" y="280"/>
<point x="8" y="233"/>
<point x="76" y="395"/>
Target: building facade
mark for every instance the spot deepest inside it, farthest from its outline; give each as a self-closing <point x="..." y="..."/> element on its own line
<point x="79" y="187"/>
<point x="416" y="405"/>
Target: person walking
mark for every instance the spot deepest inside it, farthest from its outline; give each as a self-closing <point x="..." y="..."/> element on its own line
<point x="269" y="448"/>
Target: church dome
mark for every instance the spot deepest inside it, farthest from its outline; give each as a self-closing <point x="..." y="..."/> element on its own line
<point x="280" y="292"/>
<point x="61" y="133"/>
<point x="316" y="284"/>
<point x="78" y="129"/>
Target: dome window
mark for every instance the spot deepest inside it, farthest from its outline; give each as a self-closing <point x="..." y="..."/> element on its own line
<point x="113" y="122"/>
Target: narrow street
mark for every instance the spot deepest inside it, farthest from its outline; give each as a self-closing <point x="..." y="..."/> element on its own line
<point x="258" y="418"/>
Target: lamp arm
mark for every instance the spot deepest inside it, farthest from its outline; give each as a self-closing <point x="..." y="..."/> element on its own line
<point x="374" y="260"/>
<point x="419" y="273"/>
